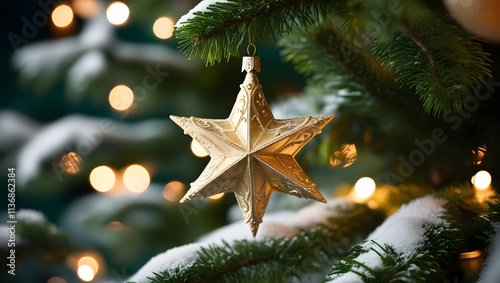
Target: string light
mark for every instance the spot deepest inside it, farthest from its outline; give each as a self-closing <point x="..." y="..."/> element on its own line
<point x="57" y="280"/>
<point x="62" y="16"/>
<point x="102" y="178"/>
<point x="136" y="178"/>
<point x="364" y="188"/>
<point x="86" y="273"/>
<point x="70" y="162"/>
<point x="115" y="226"/>
<point x="345" y="156"/>
<point x="217" y="196"/>
<point x="121" y="97"/>
<point x="86" y="8"/>
<point x="117" y="13"/>
<point x="471" y="254"/>
<point x="478" y="154"/>
<point x="482" y="180"/>
<point x="163" y="27"/>
<point x="89" y="261"/>
<point x="173" y="191"/>
<point x="86" y="264"/>
<point x="197" y="149"/>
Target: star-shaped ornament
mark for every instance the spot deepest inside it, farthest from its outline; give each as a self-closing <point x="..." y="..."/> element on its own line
<point x="252" y="153"/>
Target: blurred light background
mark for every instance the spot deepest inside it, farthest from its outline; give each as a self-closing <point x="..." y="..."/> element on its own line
<point x="88" y="87"/>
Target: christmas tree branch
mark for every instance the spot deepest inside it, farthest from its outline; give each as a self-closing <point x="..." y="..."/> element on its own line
<point x="444" y="63"/>
<point x="489" y="223"/>
<point x="218" y="31"/>
<point x="276" y="260"/>
<point x="436" y="227"/>
<point x="489" y="226"/>
<point x="425" y="48"/>
<point x="334" y="60"/>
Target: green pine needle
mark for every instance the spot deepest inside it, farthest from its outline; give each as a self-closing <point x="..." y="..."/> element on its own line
<point x="489" y="222"/>
<point x="439" y="60"/>
<point x="429" y="261"/>
<point x="278" y="260"/>
<point x="219" y="32"/>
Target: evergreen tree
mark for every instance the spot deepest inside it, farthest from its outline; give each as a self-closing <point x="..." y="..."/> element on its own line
<point x="413" y="91"/>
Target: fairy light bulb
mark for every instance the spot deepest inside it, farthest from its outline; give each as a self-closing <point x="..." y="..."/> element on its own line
<point x="117" y="13"/>
<point x="86" y="273"/>
<point x="136" y="178"/>
<point x="121" y="97"/>
<point x="163" y="27"/>
<point x="364" y="188"/>
<point x="62" y="16"/>
<point x="216" y="197"/>
<point x="197" y="149"/>
<point x="102" y="178"/>
<point x="482" y="180"/>
<point x="90" y="261"/>
<point x="173" y="191"/>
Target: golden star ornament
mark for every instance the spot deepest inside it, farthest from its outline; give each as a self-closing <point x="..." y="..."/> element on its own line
<point x="251" y="152"/>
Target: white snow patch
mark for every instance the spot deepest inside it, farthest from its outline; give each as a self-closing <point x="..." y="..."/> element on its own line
<point x="349" y="277"/>
<point x="307" y="104"/>
<point x="31" y="216"/>
<point x="16" y="128"/>
<point x="171" y="259"/>
<point x="86" y="70"/>
<point x="404" y="231"/>
<point x="319" y="213"/>
<point x="4" y="237"/>
<point x="284" y="224"/>
<point x="53" y="138"/>
<point x="491" y="272"/>
<point x="201" y="7"/>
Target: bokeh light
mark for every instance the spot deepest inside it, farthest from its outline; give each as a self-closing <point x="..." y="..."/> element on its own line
<point x="62" y="16"/>
<point x="57" y="280"/>
<point x="364" y="188"/>
<point x="86" y="273"/>
<point x="115" y="226"/>
<point x="345" y="156"/>
<point x="471" y="254"/>
<point x="173" y="191"/>
<point x="136" y="178"/>
<point x="217" y="196"/>
<point x="482" y="180"/>
<point x="197" y="149"/>
<point x="163" y="27"/>
<point x="102" y="178"/>
<point x="86" y="9"/>
<point x="117" y="13"/>
<point x="70" y="162"/>
<point x="121" y="97"/>
<point x="90" y="261"/>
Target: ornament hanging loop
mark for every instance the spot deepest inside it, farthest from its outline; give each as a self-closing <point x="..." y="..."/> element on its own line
<point x="251" y="62"/>
<point x="254" y="49"/>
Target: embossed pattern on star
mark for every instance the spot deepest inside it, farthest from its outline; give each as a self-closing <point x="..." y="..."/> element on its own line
<point x="252" y="153"/>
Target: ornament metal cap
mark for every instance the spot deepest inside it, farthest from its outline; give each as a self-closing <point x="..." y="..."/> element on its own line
<point x="250" y="63"/>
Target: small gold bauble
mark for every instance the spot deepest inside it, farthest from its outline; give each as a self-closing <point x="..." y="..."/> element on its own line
<point x="480" y="17"/>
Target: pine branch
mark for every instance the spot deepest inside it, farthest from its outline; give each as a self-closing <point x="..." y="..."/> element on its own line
<point x="385" y="257"/>
<point x="323" y="51"/>
<point x="39" y="237"/>
<point x="278" y="260"/>
<point x="488" y="223"/>
<point x="441" y="61"/>
<point x="218" y="31"/>
<point x="327" y="53"/>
